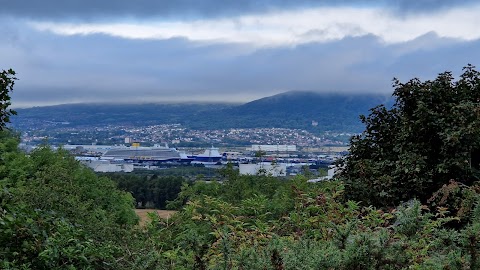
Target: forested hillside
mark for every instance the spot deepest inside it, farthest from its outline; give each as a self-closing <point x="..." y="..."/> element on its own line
<point x="337" y="112"/>
<point x="296" y="109"/>
<point x="78" y="115"/>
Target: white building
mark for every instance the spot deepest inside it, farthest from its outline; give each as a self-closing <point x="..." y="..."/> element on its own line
<point x="263" y="169"/>
<point x="89" y="147"/>
<point x="106" y="166"/>
<point x="331" y="172"/>
<point x="272" y="148"/>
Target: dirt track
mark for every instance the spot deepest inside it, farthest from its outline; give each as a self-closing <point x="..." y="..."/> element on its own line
<point x="142" y="213"/>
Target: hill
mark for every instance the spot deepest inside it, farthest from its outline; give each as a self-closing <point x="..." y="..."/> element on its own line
<point x="338" y="112"/>
<point x="78" y="115"/>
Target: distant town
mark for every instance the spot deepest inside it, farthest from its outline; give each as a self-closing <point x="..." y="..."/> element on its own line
<point x="122" y="148"/>
<point x="282" y="135"/>
<point x="179" y="136"/>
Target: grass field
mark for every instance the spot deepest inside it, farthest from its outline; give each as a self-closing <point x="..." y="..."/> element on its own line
<point x="142" y="213"/>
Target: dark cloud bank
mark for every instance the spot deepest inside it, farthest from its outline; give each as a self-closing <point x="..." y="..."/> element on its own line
<point x="64" y="69"/>
<point x="107" y="9"/>
<point x="57" y="69"/>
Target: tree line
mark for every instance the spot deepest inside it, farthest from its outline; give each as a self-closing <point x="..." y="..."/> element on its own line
<point x="149" y="191"/>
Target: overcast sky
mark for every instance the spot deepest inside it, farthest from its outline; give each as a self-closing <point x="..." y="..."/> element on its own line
<point x="228" y="50"/>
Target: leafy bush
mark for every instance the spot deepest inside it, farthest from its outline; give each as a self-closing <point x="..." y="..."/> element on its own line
<point x="56" y="213"/>
<point x="318" y="230"/>
<point x="430" y="136"/>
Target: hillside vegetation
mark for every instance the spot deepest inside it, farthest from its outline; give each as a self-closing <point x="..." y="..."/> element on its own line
<point x="55" y="213"/>
<point x="334" y="112"/>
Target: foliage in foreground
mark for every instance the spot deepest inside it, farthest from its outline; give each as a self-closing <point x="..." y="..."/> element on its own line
<point x="430" y="136"/>
<point x="313" y="228"/>
<point x="7" y="81"/>
<point x="55" y="213"/>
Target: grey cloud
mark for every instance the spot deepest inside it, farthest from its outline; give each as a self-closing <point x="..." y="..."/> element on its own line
<point x="319" y="33"/>
<point x="425" y="6"/>
<point x="88" y="9"/>
<point x="65" y="69"/>
<point x="185" y="9"/>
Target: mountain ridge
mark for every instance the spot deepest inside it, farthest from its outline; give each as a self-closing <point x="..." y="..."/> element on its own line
<point x="292" y="109"/>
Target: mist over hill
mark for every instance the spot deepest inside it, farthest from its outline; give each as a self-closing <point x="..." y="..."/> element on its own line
<point x="332" y="111"/>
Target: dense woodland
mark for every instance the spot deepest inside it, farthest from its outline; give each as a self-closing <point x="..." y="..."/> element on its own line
<point x="408" y="197"/>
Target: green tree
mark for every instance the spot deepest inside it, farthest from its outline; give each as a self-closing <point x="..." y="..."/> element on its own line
<point x="7" y="81"/>
<point x="57" y="214"/>
<point x="430" y="136"/>
<point x="149" y="190"/>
